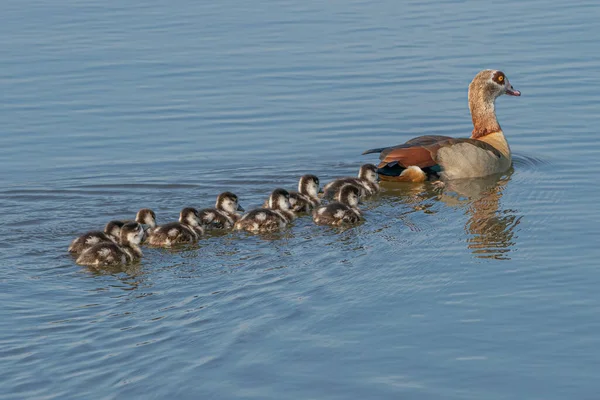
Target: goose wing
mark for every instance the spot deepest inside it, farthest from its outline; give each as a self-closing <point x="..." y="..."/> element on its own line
<point x="421" y="152"/>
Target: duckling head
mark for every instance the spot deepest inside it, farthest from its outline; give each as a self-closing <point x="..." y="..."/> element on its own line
<point x="368" y="172"/>
<point x="132" y="233"/>
<point x="349" y="195"/>
<point x="113" y="229"/>
<point x="228" y="202"/>
<point x="280" y="200"/>
<point x="189" y="216"/>
<point x="146" y="217"/>
<point x="309" y="185"/>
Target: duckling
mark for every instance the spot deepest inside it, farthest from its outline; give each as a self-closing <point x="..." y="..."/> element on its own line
<point x="307" y="196"/>
<point x="109" y="253"/>
<point x="112" y="233"/>
<point x="187" y="230"/>
<point x="146" y="217"/>
<point x="224" y="215"/>
<point x="343" y="211"/>
<point x="273" y="218"/>
<point x="366" y="182"/>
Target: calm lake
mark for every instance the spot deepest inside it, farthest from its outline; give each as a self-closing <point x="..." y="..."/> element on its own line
<point x="485" y="290"/>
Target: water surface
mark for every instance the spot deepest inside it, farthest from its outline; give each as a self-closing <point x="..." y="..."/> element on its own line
<point x="487" y="289"/>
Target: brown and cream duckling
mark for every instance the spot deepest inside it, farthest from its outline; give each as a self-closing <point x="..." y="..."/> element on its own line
<point x="112" y="234"/>
<point x="224" y="214"/>
<point x="147" y="218"/>
<point x="270" y="219"/>
<point x="109" y="253"/>
<point x="343" y="211"/>
<point x="307" y="196"/>
<point x="187" y="230"/>
<point x="366" y="182"/>
<point x="486" y="152"/>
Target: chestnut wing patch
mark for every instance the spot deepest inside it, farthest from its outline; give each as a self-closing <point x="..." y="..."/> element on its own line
<point x="422" y="151"/>
<point x="418" y="156"/>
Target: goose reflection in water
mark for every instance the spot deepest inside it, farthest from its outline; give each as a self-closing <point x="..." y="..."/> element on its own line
<point x="491" y="228"/>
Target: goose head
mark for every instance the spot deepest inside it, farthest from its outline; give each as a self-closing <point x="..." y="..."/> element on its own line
<point x="228" y="202"/>
<point x="485" y="88"/>
<point x="491" y="84"/>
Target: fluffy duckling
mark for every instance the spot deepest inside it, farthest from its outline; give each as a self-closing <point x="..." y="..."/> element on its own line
<point x="187" y="230"/>
<point x="271" y="219"/>
<point x="224" y="215"/>
<point x="366" y="182"/>
<point x="343" y="211"/>
<point x="109" y="253"/>
<point x="307" y="196"/>
<point x="111" y="234"/>
<point x="146" y="217"/>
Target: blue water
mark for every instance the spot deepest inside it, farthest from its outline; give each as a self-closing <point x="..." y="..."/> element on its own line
<point x="487" y="290"/>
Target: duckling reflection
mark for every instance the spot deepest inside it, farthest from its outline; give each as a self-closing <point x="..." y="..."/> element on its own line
<point x="131" y="276"/>
<point x="491" y="227"/>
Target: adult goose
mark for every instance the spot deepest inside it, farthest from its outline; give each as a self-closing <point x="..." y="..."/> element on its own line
<point x="486" y="152"/>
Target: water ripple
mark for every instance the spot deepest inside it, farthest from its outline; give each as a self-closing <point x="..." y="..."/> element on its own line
<point x="486" y="289"/>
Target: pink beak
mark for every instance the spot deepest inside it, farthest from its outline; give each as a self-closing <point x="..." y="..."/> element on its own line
<point x="513" y="92"/>
<point x="509" y="90"/>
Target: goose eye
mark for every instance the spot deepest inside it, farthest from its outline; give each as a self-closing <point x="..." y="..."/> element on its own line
<point x="500" y="78"/>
